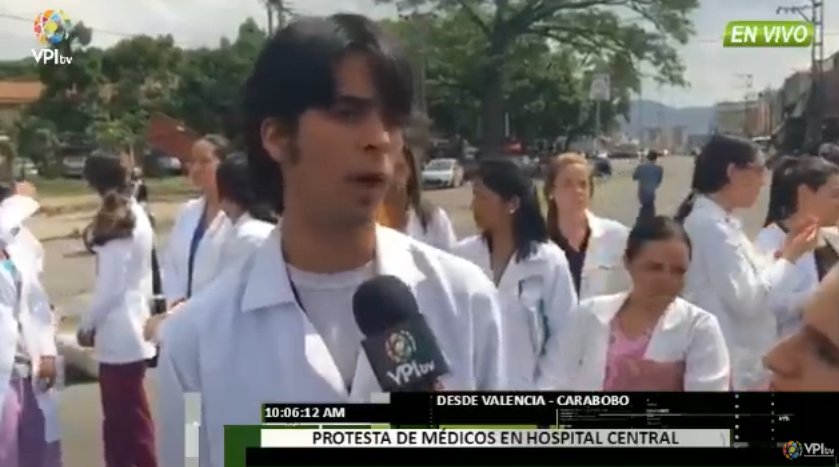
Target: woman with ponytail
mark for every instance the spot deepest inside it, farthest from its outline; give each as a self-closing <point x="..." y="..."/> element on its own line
<point x="113" y="326"/>
<point x="593" y="245"/>
<point x="802" y="188"/>
<point x="531" y="273"/>
<point x="728" y="276"/>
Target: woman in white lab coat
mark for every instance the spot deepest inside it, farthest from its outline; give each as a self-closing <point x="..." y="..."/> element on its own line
<point x="808" y="360"/>
<point x="192" y="256"/>
<point x="405" y="209"/>
<point x="252" y="221"/>
<point x="113" y="325"/>
<point x="531" y="273"/>
<point x="28" y="359"/>
<point x="728" y="276"/>
<point x="646" y="339"/>
<point x="593" y="245"/>
<point x="802" y="188"/>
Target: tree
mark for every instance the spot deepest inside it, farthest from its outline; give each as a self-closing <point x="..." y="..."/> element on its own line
<point x="544" y="90"/>
<point x="25" y="69"/>
<point x="208" y="94"/>
<point x="636" y="30"/>
<point x="71" y="92"/>
<point x="36" y="141"/>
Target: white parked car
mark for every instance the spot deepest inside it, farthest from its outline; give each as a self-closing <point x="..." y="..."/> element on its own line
<point x="442" y="173"/>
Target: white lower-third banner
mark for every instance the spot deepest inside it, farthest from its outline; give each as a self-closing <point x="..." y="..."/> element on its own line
<point x="469" y="438"/>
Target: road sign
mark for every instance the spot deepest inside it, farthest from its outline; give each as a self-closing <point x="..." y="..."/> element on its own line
<point x="600" y="88"/>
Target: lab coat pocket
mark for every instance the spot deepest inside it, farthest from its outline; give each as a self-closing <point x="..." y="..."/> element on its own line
<point x="533" y="305"/>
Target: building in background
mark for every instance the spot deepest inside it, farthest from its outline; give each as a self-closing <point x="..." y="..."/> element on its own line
<point x="730" y="118"/>
<point x="15" y="96"/>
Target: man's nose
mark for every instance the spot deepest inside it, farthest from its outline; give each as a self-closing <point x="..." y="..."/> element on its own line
<point x="376" y="133"/>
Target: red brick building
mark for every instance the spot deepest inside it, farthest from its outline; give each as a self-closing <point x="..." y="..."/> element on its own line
<point x="171" y="136"/>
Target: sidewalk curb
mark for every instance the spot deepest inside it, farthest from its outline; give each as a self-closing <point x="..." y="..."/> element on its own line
<point x="78" y="357"/>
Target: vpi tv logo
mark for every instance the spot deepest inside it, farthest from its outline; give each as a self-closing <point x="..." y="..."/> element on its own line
<point x="794" y="449"/>
<point x="52" y="27"/>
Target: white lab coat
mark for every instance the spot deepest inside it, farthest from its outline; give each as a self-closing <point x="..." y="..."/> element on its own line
<point x="34" y="313"/>
<point x="244" y="236"/>
<point x="787" y="307"/>
<point x="122" y="295"/>
<point x="175" y="260"/>
<point x="685" y="333"/>
<point x="731" y="279"/>
<point x="439" y="232"/>
<point x="536" y="296"/>
<point x="603" y="268"/>
<point x="244" y="341"/>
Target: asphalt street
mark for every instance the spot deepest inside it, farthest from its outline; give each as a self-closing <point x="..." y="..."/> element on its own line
<point x="69" y="275"/>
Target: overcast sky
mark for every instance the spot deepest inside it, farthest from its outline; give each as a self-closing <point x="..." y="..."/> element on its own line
<point x="711" y="69"/>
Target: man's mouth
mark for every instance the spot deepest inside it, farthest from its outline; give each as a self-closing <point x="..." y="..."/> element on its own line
<point x="369" y="180"/>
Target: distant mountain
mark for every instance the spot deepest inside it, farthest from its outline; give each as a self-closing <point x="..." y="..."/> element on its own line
<point x="651" y="114"/>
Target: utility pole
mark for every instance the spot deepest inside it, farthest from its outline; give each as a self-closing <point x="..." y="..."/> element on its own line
<point x="276" y="9"/>
<point x="814" y="14"/>
<point x="748" y="81"/>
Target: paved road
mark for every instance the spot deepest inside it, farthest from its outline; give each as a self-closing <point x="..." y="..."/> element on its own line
<point x="69" y="274"/>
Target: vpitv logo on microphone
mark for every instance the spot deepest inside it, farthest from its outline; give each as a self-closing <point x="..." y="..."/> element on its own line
<point x="400" y="347"/>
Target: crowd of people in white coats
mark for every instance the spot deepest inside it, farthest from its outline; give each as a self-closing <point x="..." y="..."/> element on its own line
<point x="259" y="273"/>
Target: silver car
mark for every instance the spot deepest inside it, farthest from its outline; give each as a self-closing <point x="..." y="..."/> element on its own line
<point x="442" y="173"/>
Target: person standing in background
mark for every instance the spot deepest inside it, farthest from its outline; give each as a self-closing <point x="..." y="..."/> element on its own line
<point x="649" y="176"/>
<point x="531" y="273"/>
<point x="404" y="208"/>
<point x="593" y="245"/>
<point x="123" y="238"/>
<point x="728" y="276"/>
<point x="646" y="338"/>
<point x="802" y="188"/>
<point x="191" y="258"/>
<point x="251" y="222"/>
<point x="29" y="363"/>
<point x="251" y="219"/>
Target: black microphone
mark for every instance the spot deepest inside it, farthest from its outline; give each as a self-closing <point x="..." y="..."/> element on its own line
<point x="400" y="346"/>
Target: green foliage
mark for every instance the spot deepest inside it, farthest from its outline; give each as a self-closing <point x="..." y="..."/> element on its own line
<point x="535" y="57"/>
<point x="480" y="59"/>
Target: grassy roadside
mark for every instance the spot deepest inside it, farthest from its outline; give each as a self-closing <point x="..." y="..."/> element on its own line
<point x="63" y="195"/>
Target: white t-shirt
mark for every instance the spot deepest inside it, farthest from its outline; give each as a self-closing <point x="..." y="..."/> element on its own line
<point x="327" y="301"/>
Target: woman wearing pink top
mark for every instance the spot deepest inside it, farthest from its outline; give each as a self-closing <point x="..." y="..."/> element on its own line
<point x="647" y="339"/>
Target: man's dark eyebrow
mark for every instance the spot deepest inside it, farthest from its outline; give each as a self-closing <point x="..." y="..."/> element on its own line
<point x="822" y="340"/>
<point x="355" y="100"/>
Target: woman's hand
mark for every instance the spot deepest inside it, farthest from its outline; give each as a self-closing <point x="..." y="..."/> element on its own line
<point x="47" y="371"/>
<point x="86" y="337"/>
<point x="150" y="330"/>
<point x="152" y="326"/>
<point x="802" y="238"/>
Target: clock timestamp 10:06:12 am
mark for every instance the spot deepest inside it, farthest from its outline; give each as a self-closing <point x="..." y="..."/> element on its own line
<point x="277" y="413"/>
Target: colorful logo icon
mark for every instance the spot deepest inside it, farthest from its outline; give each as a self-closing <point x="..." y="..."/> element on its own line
<point x="400" y="346"/>
<point x="52" y="27"/>
<point x="792" y="450"/>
